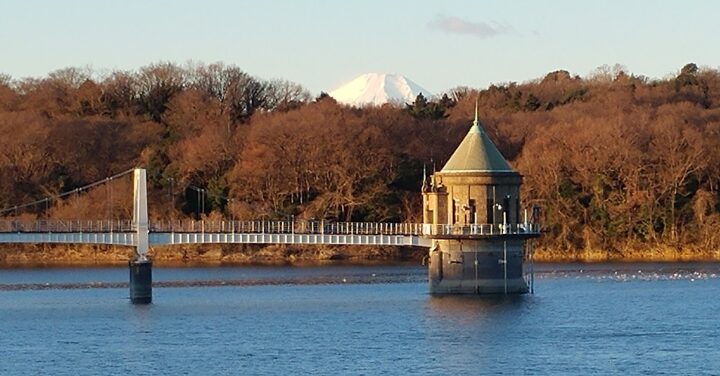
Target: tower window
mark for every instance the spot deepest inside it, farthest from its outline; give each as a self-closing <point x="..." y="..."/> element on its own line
<point x="455" y="211"/>
<point x="506" y="206"/>
<point x="490" y="211"/>
<point x="472" y="212"/>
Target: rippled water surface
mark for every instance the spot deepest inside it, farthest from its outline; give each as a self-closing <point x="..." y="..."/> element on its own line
<point x="601" y="319"/>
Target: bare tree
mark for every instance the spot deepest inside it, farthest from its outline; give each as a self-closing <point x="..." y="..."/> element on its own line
<point x="283" y="95"/>
<point x="157" y="83"/>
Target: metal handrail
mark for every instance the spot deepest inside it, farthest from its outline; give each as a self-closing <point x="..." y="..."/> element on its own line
<point x="61" y="226"/>
<point x="288" y="227"/>
<point x="271" y="227"/>
<point x="485" y="229"/>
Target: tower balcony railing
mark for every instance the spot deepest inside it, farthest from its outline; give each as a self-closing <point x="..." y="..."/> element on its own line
<point x="485" y="229"/>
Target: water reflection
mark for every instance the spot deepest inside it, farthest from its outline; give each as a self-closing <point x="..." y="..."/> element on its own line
<point x="470" y="308"/>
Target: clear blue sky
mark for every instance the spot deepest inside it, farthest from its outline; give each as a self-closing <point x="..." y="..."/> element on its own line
<point x="322" y="44"/>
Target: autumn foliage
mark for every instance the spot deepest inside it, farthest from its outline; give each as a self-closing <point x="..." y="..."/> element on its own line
<point x="616" y="161"/>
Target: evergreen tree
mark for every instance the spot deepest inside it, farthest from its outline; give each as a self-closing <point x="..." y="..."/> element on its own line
<point x="424" y="109"/>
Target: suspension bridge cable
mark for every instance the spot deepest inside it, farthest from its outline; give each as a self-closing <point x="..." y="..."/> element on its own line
<point x="68" y="193"/>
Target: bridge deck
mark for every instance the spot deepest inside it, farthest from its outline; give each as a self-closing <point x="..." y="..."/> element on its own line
<point x="249" y="232"/>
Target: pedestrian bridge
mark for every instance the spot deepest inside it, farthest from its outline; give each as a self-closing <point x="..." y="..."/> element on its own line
<point x="140" y="232"/>
<point x="163" y="233"/>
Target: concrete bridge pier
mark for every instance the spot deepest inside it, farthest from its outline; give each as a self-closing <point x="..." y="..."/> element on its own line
<point x="140" y="266"/>
<point x="140" y="281"/>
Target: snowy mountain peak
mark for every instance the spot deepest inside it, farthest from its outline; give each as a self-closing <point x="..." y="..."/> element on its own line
<point x="377" y="89"/>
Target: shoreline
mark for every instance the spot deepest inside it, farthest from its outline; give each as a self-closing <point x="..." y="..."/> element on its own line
<point x="50" y="256"/>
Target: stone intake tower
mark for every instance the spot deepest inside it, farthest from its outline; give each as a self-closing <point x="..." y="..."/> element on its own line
<point x="472" y="207"/>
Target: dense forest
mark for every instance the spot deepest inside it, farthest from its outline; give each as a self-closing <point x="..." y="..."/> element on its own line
<point x="617" y="161"/>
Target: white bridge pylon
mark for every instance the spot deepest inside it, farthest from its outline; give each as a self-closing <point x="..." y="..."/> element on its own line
<point x="140" y="214"/>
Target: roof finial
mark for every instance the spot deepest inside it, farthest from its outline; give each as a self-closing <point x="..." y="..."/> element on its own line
<point x="475" y="122"/>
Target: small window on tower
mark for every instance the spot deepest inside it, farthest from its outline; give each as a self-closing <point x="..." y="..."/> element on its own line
<point x="506" y="206"/>
<point x="455" y="211"/>
<point x="490" y="211"/>
<point x="472" y="213"/>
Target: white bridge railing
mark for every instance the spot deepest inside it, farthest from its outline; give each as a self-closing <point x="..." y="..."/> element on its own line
<point x="269" y="227"/>
<point x="288" y="227"/>
<point x="64" y="226"/>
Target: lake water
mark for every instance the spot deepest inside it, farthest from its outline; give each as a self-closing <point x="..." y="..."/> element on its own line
<point x="602" y="319"/>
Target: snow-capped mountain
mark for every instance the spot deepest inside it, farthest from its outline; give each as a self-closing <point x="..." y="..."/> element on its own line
<point x="378" y="88"/>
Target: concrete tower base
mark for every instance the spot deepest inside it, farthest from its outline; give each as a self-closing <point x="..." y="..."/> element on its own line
<point x="477" y="266"/>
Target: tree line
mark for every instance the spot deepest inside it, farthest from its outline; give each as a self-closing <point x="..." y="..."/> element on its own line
<point x="615" y="160"/>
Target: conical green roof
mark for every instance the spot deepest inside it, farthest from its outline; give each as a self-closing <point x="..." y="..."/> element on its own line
<point x="476" y="153"/>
